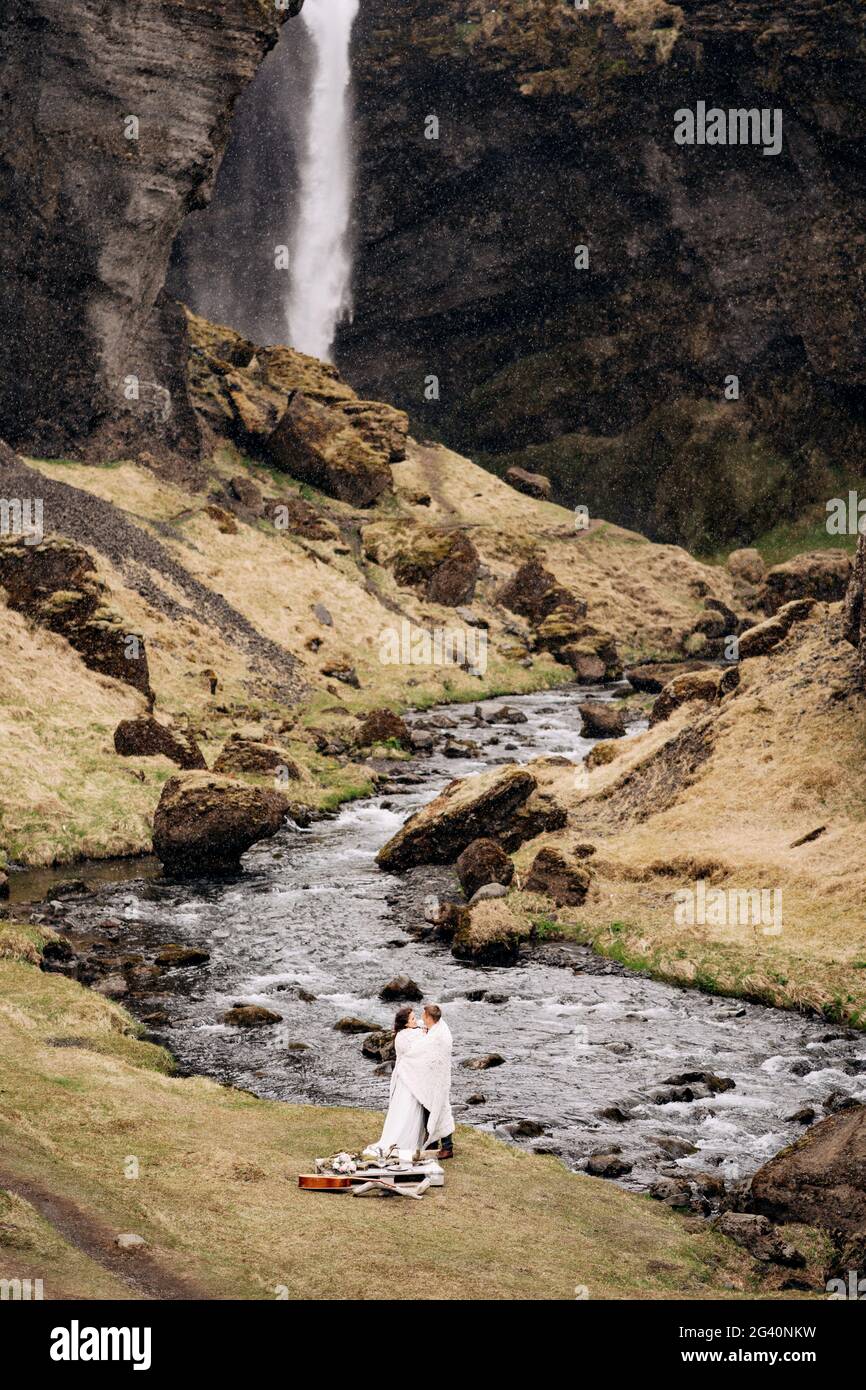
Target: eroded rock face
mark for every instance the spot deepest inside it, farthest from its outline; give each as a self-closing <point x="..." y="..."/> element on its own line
<point x="147" y="738"/>
<point x="115" y="119"/>
<point x="538" y="106"/>
<point x="854" y="620"/>
<point x="55" y="583"/>
<point x="821" y="1179"/>
<point x="205" y="822"/>
<point x="551" y="874"/>
<point x="465" y="811"/>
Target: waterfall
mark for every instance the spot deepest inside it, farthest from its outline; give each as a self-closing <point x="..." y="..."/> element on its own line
<point x="320" y="293"/>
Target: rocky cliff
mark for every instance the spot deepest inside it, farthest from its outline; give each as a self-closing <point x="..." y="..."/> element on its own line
<point x="555" y="131"/>
<point x="114" y="120"/>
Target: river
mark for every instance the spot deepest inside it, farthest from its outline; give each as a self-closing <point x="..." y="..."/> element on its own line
<point x="311" y="912"/>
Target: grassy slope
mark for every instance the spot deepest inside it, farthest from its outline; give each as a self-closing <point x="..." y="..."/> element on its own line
<point x="63" y="791"/>
<point x="217" y="1200"/>
<point x="788" y="756"/>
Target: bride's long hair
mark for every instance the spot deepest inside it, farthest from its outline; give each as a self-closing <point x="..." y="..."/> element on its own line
<point x="401" y="1018"/>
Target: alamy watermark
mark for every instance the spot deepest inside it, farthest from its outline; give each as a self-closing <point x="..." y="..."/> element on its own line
<point x="21" y="1290"/>
<point x="436" y="646"/>
<point x="738" y="126"/>
<point x="729" y="907"/>
<point x="853" y="1288"/>
<point x="23" y="516"/>
<point x="846" y="516"/>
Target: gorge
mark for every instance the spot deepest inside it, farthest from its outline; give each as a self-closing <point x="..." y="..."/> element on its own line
<point x="264" y="618"/>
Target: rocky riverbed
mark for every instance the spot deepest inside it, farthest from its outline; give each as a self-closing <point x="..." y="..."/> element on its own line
<point x="627" y="1077"/>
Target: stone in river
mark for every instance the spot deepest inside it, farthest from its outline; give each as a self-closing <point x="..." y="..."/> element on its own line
<point x="250" y="1016"/>
<point x="401" y="987"/>
<point x="607" y="1165"/>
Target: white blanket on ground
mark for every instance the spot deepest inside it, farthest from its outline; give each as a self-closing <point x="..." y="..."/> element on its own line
<point x="425" y="1067"/>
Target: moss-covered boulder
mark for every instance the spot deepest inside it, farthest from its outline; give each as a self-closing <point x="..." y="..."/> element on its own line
<point x="483" y="861"/>
<point x="536" y="594"/>
<point x="56" y="584"/>
<point x="383" y="726"/>
<point x="818" y="574"/>
<point x="551" y="874"/>
<point x="321" y="447"/>
<point x="490" y="936"/>
<point x="707" y="686"/>
<point x="204" y="822"/>
<point x="442" y="564"/>
<point x="467" y="809"/>
<point x="248" y="755"/>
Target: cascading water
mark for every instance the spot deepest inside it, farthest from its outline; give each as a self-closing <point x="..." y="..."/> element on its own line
<point x="320" y="294"/>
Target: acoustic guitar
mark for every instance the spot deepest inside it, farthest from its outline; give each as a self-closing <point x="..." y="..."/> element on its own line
<point x="324" y="1182"/>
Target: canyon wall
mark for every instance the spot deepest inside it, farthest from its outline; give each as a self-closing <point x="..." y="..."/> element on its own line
<point x="115" y="116"/>
<point x="556" y="130"/>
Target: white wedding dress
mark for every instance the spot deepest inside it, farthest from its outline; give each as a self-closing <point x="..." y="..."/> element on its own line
<point x="404" y="1122"/>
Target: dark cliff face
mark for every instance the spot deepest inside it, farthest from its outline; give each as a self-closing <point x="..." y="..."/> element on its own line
<point x="89" y="215"/>
<point x="556" y="130"/>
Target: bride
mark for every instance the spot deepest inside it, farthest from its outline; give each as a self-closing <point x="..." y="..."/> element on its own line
<point x="405" y="1125"/>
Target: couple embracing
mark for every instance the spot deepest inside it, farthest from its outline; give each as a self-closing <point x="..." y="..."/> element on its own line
<point x="419" y="1112"/>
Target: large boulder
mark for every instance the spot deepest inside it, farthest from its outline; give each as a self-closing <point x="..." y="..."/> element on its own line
<point x="534" y="593"/>
<point x="487" y="935"/>
<point x="532" y="484"/>
<point x="466" y="810"/>
<point x="591" y="653"/>
<point x="383" y="726"/>
<point x="763" y="637"/>
<point x="248" y="755"/>
<point x="483" y="861"/>
<point x="708" y="686"/>
<point x="204" y="822"/>
<point x="821" y="1179"/>
<point x="819" y="574"/>
<point x="147" y="738"/>
<point x="653" y="676"/>
<point x="601" y="720"/>
<point x="552" y="875"/>
<point x="442" y="564"/>
<point x="321" y="447"/>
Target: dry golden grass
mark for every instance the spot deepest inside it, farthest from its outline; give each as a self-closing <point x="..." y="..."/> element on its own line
<point x="226" y="1213"/>
<point x="66" y="794"/>
<point x="788" y="756"/>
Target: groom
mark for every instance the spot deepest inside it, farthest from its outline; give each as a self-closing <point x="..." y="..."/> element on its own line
<point x="438" y="1119"/>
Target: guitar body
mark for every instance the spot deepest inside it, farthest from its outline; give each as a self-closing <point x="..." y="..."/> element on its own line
<point x="323" y="1182"/>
